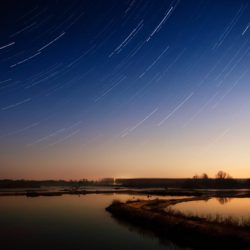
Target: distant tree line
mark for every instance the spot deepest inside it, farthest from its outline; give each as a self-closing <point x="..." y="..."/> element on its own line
<point x="7" y="183"/>
<point x="221" y="180"/>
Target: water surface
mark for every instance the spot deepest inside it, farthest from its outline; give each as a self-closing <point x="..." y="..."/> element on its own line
<point x="225" y="207"/>
<point x="68" y="222"/>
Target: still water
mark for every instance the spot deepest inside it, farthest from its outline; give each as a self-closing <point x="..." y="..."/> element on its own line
<point x="225" y="207"/>
<point x="68" y="222"/>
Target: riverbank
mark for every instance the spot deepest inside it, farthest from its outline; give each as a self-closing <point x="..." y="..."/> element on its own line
<point x="197" y="233"/>
<point x="235" y="193"/>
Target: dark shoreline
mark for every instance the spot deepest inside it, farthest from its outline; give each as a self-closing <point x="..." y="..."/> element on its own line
<point x="164" y="192"/>
<point x="240" y="193"/>
<point x="198" y="234"/>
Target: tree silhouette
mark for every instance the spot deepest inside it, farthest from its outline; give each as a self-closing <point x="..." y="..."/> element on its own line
<point x="204" y="176"/>
<point x="222" y="175"/>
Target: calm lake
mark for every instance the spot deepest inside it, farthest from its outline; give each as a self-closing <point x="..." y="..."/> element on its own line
<point x="69" y="222"/>
<point x="236" y="207"/>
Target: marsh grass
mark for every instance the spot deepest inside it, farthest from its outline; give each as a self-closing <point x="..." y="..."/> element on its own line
<point x="212" y="218"/>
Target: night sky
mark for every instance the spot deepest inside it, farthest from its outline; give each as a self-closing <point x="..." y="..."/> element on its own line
<point x="130" y="88"/>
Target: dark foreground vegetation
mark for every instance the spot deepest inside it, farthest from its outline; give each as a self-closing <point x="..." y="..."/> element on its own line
<point x="194" y="232"/>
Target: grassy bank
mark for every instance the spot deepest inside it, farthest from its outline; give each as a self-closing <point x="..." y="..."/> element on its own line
<point x="197" y="233"/>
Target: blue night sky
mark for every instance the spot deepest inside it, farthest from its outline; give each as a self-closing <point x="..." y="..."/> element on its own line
<point x="130" y="88"/>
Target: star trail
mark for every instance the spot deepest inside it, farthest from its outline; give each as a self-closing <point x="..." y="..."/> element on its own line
<point x="133" y="88"/>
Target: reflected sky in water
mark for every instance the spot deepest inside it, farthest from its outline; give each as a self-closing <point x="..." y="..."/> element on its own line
<point x="237" y="207"/>
<point x="68" y="222"/>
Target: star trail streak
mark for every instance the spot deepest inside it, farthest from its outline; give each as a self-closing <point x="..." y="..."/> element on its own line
<point x="7" y="45"/>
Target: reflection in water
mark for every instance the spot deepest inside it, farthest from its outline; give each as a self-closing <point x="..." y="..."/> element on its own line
<point x="238" y="208"/>
<point x="67" y="222"/>
<point x="223" y="200"/>
<point x="149" y="233"/>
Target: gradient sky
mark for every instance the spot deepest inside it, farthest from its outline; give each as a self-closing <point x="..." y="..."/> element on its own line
<point x="129" y="88"/>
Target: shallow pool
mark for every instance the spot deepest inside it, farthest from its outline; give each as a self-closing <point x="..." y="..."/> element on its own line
<point x="225" y="207"/>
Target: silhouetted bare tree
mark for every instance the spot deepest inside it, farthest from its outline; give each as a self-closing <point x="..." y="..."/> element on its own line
<point x="222" y="175"/>
<point x="196" y="176"/>
<point x="204" y="176"/>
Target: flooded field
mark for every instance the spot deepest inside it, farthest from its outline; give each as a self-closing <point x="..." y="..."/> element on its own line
<point x="238" y="208"/>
